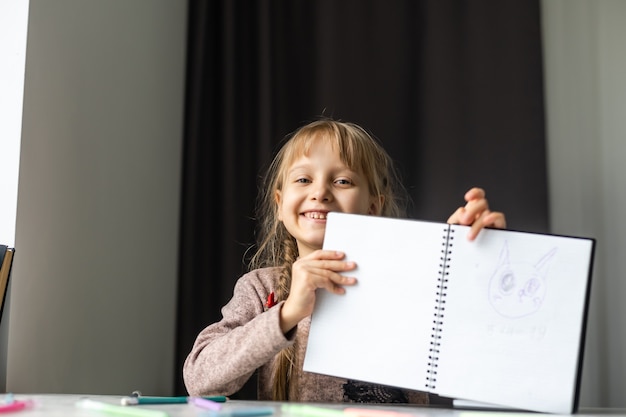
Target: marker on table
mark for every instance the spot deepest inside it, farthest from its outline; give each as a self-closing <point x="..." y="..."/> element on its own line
<point x="140" y="399"/>
<point x="204" y="403"/>
<point x="241" y="412"/>
<point x="14" y="405"/>
<point x="118" y="409"/>
<point x="311" y="411"/>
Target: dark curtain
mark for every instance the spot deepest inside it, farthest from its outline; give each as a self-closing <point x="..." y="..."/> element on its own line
<point x="453" y="89"/>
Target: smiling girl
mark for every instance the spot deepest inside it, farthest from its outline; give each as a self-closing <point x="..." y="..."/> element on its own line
<point x="324" y="166"/>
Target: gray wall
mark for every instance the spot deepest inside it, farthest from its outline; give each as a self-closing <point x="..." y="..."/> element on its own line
<point x="585" y="63"/>
<point x="93" y="292"/>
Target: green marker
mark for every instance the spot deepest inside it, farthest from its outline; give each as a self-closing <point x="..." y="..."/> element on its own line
<point x="119" y="410"/>
<point x="311" y="411"/>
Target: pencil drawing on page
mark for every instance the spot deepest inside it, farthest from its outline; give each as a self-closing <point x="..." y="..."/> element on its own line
<point x="517" y="289"/>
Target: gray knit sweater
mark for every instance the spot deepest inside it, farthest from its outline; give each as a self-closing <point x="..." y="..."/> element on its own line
<point x="227" y="353"/>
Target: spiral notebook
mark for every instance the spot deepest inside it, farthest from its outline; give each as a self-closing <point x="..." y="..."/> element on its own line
<point x="500" y="320"/>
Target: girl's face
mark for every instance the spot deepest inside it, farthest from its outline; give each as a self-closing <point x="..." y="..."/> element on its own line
<point x="316" y="184"/>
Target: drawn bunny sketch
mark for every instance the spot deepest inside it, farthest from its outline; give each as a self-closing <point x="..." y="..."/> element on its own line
<point x="517" y="289"/>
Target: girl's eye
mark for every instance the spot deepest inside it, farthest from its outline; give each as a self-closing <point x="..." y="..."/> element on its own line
<point x="302" y="180"/>
<point x="343" y="181"/>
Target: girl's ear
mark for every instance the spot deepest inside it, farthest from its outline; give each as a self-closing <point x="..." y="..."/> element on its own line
<point x="277" y="200"/>
<point x="376" y="205"/>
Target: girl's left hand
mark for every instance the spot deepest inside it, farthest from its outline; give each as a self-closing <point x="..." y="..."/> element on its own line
<point x="476" y="213"/>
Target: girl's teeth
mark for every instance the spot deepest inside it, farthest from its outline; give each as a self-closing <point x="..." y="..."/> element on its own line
<point x="319" y="216"/>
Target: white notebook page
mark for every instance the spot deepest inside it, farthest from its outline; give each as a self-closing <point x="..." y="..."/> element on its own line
<point x="355" y="335"/>
<point x="513" y="323"/>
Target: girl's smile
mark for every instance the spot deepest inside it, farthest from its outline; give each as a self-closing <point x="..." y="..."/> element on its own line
<point x="316" y="215"/>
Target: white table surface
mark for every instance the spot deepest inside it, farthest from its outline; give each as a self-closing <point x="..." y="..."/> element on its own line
<point x="65" y="405"/>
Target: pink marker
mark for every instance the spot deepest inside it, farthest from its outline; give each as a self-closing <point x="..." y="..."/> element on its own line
<point x="15" y="405"/>
<point x="203" y="403"/>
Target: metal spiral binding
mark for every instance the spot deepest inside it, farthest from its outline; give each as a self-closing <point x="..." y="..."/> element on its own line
<point x="442" y="288"/>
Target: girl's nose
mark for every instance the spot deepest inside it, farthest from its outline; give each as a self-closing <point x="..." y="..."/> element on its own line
<point x="321" y="192"/>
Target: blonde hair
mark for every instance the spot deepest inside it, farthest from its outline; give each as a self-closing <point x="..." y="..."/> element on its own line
<point x="362" y="153"/>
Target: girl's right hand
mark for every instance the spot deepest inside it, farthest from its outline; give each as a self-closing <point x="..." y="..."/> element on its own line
<point x="320" y="269"/>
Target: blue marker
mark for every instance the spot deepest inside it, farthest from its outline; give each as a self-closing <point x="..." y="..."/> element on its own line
<point x="241" y="412"/>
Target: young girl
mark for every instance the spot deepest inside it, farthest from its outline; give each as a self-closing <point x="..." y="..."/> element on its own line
<point x="325" y="166"/>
